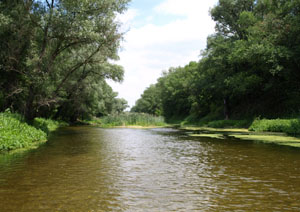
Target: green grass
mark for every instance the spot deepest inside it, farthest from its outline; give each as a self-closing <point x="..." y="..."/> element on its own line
<point x="15" y="133"/>
<point x="131" y="119"/>
<point x="48" y="125"/>
<point x="289" y="126"/>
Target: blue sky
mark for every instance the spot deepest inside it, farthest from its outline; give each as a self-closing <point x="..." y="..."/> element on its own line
<point x="147" y="14"/>
<point x="160" y="34"/>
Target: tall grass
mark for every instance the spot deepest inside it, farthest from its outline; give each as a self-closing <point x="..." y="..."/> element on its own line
<point x="132" y="119"/>
<point x="15" y="133"/>
<point x="289" y="126"/>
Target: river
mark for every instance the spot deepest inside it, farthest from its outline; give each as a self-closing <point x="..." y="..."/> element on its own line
<point x="88" y="169"/>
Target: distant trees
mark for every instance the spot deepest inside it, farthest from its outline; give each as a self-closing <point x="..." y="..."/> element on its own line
<point x="150" y="102"/>
<point x="250" y="66"/>
<point x="55" y="56"/>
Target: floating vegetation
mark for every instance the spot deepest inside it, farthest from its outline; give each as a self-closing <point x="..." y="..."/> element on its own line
<point x="244" y="134"/>
<point x="218" y="136"/>
<point x="276" y="139"/>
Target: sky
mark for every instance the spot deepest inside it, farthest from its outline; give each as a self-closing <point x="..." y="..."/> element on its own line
<point x="160" y="34"/>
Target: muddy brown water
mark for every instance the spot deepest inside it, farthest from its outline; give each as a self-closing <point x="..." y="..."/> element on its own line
<point x="88" y="169"/>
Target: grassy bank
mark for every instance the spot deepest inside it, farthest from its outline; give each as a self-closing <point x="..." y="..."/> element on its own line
<point x="15" y="133"/>
<point x="288" y="126"/>
<point x="131" y="119"/>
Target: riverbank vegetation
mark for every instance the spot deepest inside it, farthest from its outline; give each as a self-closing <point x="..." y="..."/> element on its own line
<point x="48" y="125"/>
<point x="15" y="133"/>
<point x="55" y="57"/>
<point x="250" y="68"/>
<point x="288" y="126"/>
<point x="132" y="119"/>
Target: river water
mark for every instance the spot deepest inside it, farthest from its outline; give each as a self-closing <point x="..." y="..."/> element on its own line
<point x="88" y="169"/>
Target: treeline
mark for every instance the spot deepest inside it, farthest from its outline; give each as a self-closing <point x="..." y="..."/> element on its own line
<point x="55" y="56"/>
<point x="250" y="67"/>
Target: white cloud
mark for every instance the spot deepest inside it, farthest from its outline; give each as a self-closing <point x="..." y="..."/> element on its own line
<point x="149" y="18"/>
<point x="127" y="18"/>
<point x="151" y="48"/>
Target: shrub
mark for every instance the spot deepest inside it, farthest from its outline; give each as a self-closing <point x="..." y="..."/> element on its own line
<point x="15" y="133"/>
<point x="47" y="125"/>
<point x="289" y="126"/>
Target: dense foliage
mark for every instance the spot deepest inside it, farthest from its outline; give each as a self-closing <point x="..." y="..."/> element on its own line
<point x="289" y="126"/>
<point x="55" y="56"/>
<point x="249" y="68"/>
<point x="15" y="133"/>
<point x="48" y="125"/>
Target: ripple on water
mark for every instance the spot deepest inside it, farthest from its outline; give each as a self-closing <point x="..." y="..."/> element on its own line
<point x="92" y="169"/>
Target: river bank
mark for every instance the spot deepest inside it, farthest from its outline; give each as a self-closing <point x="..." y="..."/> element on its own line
<point x="18" y="135"/>
<point x="276" y="131"/>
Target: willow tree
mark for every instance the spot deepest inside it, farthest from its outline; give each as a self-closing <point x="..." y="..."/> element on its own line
<point x="63" y="42"/>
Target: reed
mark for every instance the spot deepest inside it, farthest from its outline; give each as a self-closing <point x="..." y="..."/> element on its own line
<point x="132" y="119"/>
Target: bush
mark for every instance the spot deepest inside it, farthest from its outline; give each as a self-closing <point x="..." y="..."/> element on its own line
<point x="289" y="126"/>
<point x="127" y="119"/>
<point x="47" y="125"/>
<point x="15" y="133"/>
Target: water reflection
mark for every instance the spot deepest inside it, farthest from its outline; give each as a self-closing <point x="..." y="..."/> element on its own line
<point x="92" y="169"/>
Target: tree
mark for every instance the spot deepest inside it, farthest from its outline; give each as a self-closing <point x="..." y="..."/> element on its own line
<point x="63" y="42"/>
<point x="150" y="102"/>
